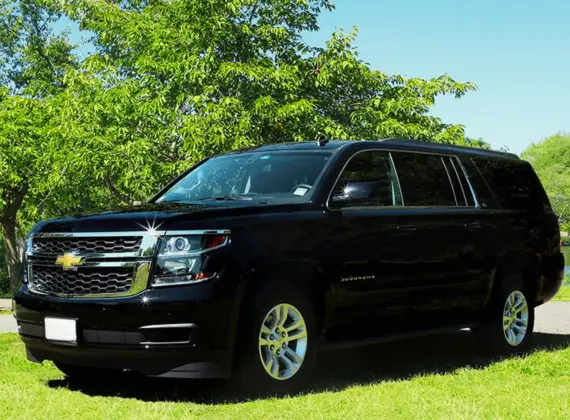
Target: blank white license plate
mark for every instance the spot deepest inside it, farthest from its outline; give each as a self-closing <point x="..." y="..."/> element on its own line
<point x="61" y="329"/>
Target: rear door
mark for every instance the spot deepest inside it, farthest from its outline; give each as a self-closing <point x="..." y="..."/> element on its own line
<point x="519" y="227"/>
<point x="443" y="284"/>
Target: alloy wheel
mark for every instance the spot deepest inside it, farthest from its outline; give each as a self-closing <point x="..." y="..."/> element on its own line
<point x="283" y="341"/>
<point x="515" y="318"/>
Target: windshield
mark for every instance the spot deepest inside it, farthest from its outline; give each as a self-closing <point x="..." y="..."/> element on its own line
<point x="285" y="177"/>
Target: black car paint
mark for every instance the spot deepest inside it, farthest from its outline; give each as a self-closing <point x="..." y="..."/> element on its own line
<point x="372" y="273"/>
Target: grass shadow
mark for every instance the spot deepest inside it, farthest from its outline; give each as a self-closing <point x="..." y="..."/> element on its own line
<point x="336" y="370"/>
<point x="437" y="354"/>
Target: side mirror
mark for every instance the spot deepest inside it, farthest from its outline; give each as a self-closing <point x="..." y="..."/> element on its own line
<point x="353" y="192"/>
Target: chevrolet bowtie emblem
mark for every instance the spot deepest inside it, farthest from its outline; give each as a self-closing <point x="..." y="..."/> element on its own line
<point x="69" y="261"/>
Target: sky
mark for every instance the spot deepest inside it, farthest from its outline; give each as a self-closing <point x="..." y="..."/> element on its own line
<point x="517" y="52"/>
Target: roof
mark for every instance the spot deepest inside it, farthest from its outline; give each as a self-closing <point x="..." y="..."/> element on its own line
<point x="299" y="145"/>
<point x="390" y="143"/>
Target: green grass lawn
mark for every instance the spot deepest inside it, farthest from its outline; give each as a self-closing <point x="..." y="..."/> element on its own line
<point x="563" y="294"/>
<point x="435" y="378"/>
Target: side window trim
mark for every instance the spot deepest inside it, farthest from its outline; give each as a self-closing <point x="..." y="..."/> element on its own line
<point x="397" y="179"/>
<point x="475" y="199"/>
<point x="450" y="181"/>
<point x="460" y="183"/>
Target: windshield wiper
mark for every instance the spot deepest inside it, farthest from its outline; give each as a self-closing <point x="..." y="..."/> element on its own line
<point x="231" y="198"/>
<point x="260" y="200"/>
<point x="179" y="203"/>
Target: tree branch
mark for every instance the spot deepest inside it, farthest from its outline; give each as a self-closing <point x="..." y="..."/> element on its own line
<point x="116" y="193"/>
<point x="39" y="48"/>
<point x="253" y="11"/>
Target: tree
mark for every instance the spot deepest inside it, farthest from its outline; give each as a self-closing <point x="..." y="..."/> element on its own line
<point x="32" y="68"/>
<point x="4" y="278"/>
<point x="173" y="82"/>
<point x="471" y="142"/>
<point x="551" y="161"/>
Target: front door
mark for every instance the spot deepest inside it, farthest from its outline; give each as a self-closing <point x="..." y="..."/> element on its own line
<point x="364" y="210"/>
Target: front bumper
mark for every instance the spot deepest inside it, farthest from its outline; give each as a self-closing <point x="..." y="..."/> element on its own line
<point x="171" y="332"/>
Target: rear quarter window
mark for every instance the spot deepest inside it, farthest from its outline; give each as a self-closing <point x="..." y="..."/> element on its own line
<point x="513" y="183"/>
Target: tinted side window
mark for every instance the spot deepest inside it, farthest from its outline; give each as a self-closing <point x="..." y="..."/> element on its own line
<point x="424" y="180"/>
<point x="368" y="180"/>
<point x="513" y="183"/>
<point x="482" y="191"/>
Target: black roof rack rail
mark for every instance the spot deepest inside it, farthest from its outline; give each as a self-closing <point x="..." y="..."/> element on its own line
<point x="428" y="145"/>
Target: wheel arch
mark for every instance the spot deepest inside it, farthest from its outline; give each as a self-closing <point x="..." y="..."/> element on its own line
<point x="306" y="274"/>
<point x="520" y="269"/>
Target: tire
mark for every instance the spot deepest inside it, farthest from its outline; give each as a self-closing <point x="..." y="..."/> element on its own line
<point x="502" y="331"/>
<point x="86" y="373"/>
<point x="282" y="373"/>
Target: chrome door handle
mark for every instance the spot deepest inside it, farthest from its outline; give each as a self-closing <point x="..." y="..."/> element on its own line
<point x="407" y="228"/>
<point x="473" y="225"/>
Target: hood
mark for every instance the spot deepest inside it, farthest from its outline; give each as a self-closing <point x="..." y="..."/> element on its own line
<point x="160" y="216"/>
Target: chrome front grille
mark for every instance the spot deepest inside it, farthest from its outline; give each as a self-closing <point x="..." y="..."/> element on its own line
<point x="84" y="281"/>
<point x="90" y="245"/>
<point x="97" y="264"/>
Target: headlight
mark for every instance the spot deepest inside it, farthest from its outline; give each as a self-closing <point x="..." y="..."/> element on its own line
<point x="29" y="246"/>
<point x="27" y="252"/>
<point x="181" y="258"/>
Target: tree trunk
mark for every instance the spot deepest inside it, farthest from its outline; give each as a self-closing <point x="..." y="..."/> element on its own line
<point x="13" y="252"/>
<point x="13" y="246"/>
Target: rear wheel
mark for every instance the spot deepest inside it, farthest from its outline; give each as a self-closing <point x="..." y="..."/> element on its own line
<point x="510" y="323"/>
<point x="276" y="347"/>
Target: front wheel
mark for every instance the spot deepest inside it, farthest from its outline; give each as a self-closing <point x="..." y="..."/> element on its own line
<point x="510" y="323"/>
<point x="276" y="347"/>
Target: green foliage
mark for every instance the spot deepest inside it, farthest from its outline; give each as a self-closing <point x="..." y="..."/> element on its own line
<point x="34" y="59"/>
<point x="32" y="70"/>
<point x="551" y="161"/>
<point x="174" y="82"/>
<point x="33" y="64"/>
<point x="471" y="142"/>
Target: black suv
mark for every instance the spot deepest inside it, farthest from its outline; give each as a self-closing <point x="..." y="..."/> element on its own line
<point x="249" y="263"/>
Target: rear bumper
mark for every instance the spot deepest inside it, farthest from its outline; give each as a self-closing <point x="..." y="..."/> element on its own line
<point x="552" y="269"/>
<point x="172" y="332"/>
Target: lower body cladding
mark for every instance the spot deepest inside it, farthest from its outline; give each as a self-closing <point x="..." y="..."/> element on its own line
<point x="172" y="332"/>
